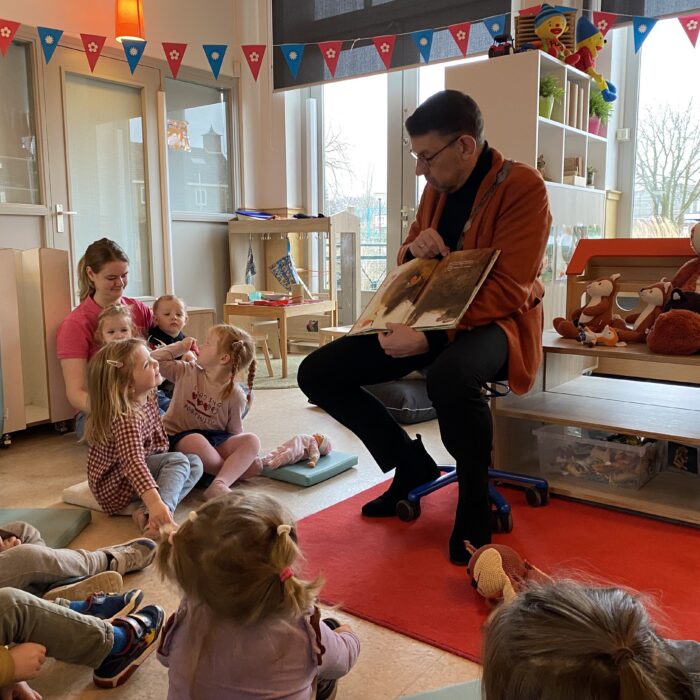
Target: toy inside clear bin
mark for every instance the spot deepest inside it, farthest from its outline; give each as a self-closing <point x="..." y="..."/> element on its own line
<point x="590" y="455"/>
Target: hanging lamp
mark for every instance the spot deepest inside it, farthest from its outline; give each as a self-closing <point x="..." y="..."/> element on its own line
<point x="129" y="20"/>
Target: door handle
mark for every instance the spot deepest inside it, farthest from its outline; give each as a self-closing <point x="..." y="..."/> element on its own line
<point x="60" y="213"/>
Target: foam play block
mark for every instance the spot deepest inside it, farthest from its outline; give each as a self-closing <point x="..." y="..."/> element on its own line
<point x="303" y="475"/>
<point x="58" y="526"/>
<point x="471" y="690"/>
<point x="80" y="495"/>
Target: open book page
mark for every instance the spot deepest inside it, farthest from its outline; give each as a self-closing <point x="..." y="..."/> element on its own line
<point x="395" y="299"/>
<point x="452" y="288"/>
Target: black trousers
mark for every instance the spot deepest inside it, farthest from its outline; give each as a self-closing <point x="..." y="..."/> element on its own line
<point x="333" y="378"/>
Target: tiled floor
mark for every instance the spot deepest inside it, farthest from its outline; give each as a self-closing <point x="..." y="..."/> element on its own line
<point x="40" y="464"/>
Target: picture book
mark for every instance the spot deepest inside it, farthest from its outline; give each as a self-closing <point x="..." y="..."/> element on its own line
<point x="428" y="294"/>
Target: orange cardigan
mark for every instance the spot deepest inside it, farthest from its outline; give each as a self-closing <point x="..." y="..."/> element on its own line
<point x="516" y="220"/>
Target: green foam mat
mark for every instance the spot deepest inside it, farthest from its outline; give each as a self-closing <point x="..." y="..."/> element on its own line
<point x="301" y="474"/>
<point x="58" y="526"/>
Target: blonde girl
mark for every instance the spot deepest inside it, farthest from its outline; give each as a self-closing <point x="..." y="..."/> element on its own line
<point x="247" y="626"/>
<point x="128" y="458"/>
<point x="567" y="640"/>
<point x="206" y="411"/>
<point x="114" y="323"/>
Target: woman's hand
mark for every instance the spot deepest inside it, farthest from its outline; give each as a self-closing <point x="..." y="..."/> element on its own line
<point x="428" y="244"/>
<point x="28" y="659"/>
<point x="9" y="542"/>
<point x="401" y="340"/>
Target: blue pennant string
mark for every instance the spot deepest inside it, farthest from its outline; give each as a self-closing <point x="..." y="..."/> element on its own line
<point x="49" y="40"/>
<point x="496" y="25"/>
<point x="642" y="29"/>
<point x="292" y="54"/>
<point x="133" y="50"/>
<point x="215" y="55"/>
<point x="424" y="42"/>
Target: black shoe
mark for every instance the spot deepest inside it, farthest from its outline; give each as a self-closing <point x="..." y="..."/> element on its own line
<point x="326" y="689"/>
<point x="383" y="506"/>
<point x="458" y="552"/>
<point x="331" y="622"/>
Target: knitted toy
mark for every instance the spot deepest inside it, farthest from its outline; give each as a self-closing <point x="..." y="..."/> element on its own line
<point x="550" y="24"/>
<point x="298" y="449"/>
<point x="498" y="572"/>
<point x="596" y="313"/>
<point x="677" y="331"/>
<point x="589" y="43"/>
<point x="653" y="299"/>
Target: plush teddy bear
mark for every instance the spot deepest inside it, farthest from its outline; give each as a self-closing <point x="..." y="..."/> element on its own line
<point x="677" y="331"/>
<point x="550" y="25"/>
<point x="654" y="299"/>
<point x="498" y="572"/>
<point x="596" y="313"/>
<point x="589" y="43"/>
<point x="297" y="449"/>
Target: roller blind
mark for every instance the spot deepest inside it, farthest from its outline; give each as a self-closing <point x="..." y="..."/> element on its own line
<point x="649" y="8"/>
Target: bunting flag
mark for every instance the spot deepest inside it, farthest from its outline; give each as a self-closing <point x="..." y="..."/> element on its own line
<point x="215" y="55"/>
<point x="133" y="50"/>
<point x="496" y="25"/>
<point x="49" y="39"/>
<point x="254" y="54"/>
<point x="604" y="21"/>
<point x="330" y="50"/>
<point x="527" y="11"/>
<point x="424" y="42"/>
<point x="174" y="53"/>
<point x="93" y="45"/>
<point x="642" y="27"/>
<point x="691" y="26"/>
<point x="460" y="33"/>
<point x="385" y="47"/>
<point x="8" y="29"/>
<point x="292" y="54"/>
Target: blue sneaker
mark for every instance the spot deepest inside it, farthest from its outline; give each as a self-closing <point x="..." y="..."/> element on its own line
<point x="107" y="606"/>
<point x="143" y="629"/>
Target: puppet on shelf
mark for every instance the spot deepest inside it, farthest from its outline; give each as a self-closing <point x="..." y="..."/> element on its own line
<point x="596" y="314"/>
<point x="550" y="25"/>
<point x="309" y="448"/>
<point x="498" y="572"/>
<point x="653" y="299"/>
<point x="589" y="43"/>
<point x="677" y="331"/>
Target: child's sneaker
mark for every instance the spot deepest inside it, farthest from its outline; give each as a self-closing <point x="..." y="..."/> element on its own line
<point x="81" y="588"/>
<point x="143" y="629"/>
<point x="107" y="606"/>
<point x="131" y="556"/>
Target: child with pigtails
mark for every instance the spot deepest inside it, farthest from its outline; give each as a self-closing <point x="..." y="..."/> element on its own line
<point x="206" y="411"/>
<point x="247" y="626"/>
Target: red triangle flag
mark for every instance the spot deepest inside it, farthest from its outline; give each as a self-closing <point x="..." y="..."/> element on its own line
<point x="8" y="29"/>
<point x="93" y="44"/>
<point x="691" y="26"/>
<point x="330" y="50"/>
<point x="174" y="53"/>
<point x="604" y="21"/>
<point x="526" y="11"/>
<point x="254" y="55"/>
<point x="385" y="47"/>
<point x="460" y="33"/>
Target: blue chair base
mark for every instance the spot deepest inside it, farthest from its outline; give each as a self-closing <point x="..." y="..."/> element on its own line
<point x="536" y="494"/>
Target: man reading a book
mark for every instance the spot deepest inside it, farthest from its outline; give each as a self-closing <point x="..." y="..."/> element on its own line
<point x="473" y="198"/>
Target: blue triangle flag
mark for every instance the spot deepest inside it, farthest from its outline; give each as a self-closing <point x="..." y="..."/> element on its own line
<point x="292" y="54"/>
<point x="496" y="25"/>
<point x="215" y="55"/>
<point x="642" y="29"/>
<point x="133" y="50"/>
<point x="424" y="42"/>
<point x="49" y="40"/>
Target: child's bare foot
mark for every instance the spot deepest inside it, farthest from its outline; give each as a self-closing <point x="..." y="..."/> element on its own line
<point x="152" y="532"/>
<point x="216" y="488"/>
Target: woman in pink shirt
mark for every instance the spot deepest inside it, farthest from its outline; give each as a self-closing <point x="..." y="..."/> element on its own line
<point x="102" y="277"/>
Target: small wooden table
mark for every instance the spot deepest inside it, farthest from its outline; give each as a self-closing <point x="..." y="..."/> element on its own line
<point x="281" y="314"/>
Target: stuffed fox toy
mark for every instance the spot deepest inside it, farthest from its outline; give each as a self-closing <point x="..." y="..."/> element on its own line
<point x="596" y="313"/>
<point x="653" y="299"/>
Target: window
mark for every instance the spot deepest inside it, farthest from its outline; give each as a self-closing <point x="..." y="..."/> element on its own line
<point x="19" y="176"/>
<point x="667" y="169"/>
<point x="199" y="166"/>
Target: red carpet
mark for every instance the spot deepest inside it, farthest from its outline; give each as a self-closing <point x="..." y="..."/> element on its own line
<point x="397" y="574"/>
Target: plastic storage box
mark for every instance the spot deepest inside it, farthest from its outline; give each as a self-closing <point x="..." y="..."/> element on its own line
<point x="581" y="453"/>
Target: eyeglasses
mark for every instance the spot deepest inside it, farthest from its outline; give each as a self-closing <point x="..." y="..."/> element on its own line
<point x="427" y="160"/>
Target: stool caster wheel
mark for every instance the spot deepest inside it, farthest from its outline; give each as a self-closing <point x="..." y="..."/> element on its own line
<point x="537" y="497"/>
<point x="5" y="441"/>
<point x="501" y="522"/>
<point x="408" y="510"/>
<point x="61" y="427"/>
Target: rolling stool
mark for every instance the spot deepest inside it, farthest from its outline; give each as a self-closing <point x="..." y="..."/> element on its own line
<point x="536" y="489"/>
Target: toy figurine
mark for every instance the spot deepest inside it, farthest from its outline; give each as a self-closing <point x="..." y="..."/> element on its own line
<point x="297" y="449"/>
<point x="550" y="25"/>
<point x="589" y="43"/>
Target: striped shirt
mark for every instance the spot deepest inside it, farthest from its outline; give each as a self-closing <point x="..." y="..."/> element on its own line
<point x="117" y="472"/>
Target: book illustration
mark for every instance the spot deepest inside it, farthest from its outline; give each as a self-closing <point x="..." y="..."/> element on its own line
<point x="427" y="294"/>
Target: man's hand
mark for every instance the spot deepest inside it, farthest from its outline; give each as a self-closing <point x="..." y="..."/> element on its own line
<point x="428" y="244"/>
<point x="28" y="659"/>
<point x="401" y="340"/>
<point x="18" y="691"/>
<point x="9" y="542"/>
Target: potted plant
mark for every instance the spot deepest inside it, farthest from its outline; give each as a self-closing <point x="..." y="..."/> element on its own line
<point x="550" y="92"/>
<point x="598" y="112"/>
<point x="590" y="176"/>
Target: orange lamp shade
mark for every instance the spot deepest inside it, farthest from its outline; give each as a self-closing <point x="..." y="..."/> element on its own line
<point x="129" y="20"/>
